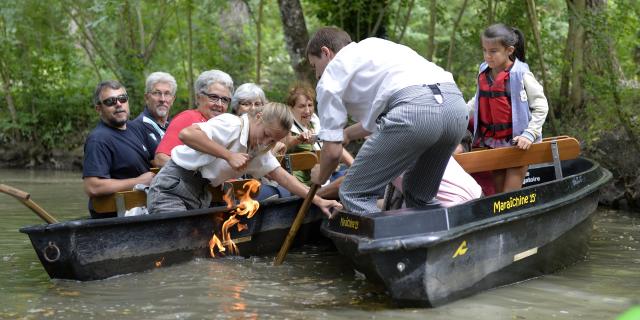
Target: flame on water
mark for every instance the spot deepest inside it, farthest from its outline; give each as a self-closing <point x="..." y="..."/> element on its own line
<point x="247" y="207"/>
<point x="159" y="263"/>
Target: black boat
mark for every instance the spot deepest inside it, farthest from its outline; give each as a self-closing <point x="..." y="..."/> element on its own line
<point x="430" y="256"/>
<point x="92" y="249"/>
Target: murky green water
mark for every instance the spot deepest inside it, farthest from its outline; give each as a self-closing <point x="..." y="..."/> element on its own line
<point x="312" y="284"/>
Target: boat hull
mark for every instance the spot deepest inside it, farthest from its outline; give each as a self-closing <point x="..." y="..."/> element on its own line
<point x="101" y="248"/>
<point x="432" y="256"/>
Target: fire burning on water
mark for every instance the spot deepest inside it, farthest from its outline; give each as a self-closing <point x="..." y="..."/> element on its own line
<point x="247" y="207"/>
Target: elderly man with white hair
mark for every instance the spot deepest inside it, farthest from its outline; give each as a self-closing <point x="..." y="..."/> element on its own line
<point x="159" y="95"/>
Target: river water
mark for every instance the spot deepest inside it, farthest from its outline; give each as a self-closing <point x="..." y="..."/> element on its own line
<point x="311" y="284"/>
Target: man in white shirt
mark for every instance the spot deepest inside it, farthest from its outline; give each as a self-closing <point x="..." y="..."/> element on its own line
<point x="410" y="108"/>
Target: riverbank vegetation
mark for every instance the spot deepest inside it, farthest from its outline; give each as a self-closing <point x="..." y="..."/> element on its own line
<point x="586" y="53"/>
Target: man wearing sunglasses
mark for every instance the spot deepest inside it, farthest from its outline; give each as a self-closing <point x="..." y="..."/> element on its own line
<point x="160" y="93"/>
<point x="116" y="156"/>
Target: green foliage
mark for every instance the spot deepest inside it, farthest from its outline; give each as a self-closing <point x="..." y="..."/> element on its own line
<point x="357" y="17"/>
<point x="53" y="53"/>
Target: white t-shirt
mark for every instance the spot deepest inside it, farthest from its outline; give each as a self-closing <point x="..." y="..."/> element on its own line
<point x="231" y="132"/>
<point x="361" y="78"/>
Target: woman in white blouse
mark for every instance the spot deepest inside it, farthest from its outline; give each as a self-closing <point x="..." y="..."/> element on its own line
<point x="306" y="125"/>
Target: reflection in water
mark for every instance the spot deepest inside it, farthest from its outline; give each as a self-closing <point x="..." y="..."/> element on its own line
<point x="312" y="284"/>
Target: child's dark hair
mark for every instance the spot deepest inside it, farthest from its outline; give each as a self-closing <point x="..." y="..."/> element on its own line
<point x="507" y="36"/>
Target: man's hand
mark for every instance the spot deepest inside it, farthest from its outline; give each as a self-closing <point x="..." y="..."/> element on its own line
<point x="238" y="161"/>
<point x="327" y="206"/>
<point x="146" y="178"/>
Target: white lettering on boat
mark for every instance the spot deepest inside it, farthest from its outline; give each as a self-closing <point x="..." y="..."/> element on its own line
<point x="577" y="180"/>
<point x="531" y="179"/>
<point x="513" y="202"/>
<point x="525" y="254"/>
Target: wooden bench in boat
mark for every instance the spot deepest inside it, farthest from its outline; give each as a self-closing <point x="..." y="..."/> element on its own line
<point x="551" y="149"/>
<point x="125" y="200"/>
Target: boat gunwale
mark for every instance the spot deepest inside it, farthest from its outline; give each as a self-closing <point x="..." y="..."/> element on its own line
<point x="113" y="221"/>
<point x="428" y="239"/>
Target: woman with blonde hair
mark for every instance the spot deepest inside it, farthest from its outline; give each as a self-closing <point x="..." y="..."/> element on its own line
<point x="223" y="148"/>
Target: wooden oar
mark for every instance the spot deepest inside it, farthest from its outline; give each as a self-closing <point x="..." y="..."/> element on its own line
<point x="25" y="199"/>
<point x="296" y="225"/>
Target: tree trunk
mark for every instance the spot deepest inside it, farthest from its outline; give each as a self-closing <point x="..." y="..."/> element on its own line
<point x="128" y="60"/>
<point x="78" y="17"/>
<point x="259" y="39"/>
<point x="140" y="27"/>
<point x="296" y="38"/>
<point x="431" y="44"/>
<point x="452" y="40"/>
<point x="406" y="21"/>
<point x="396" y="19"/>
<point x="533" y="19"/>
<point x="381" y="15"/>
<point x="565" y="74"/>
<point x="577" y="9"/>
<point x="190" y="80"/>
<point x="8" y="96"/>
<point x="491" y="12"/>
<point x="603" y="61"/>
<point x="149" y="49"/>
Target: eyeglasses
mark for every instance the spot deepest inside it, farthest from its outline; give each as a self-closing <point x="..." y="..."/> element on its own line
<point x="111" y="101"/>
<point x="159" y="94"/>
<point x="251" y="104"/>
<point x="216" y="98"/>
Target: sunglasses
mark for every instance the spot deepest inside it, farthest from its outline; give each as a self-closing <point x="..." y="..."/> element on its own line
<point x="111" y="101"/>
<point x="216" y="98"/>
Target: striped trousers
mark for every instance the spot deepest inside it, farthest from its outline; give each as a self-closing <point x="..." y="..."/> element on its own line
<point x="417" y="133"/>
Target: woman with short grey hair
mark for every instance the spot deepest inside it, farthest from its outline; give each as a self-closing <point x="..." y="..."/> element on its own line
<point x="214" y="89"/>
<point x="248" y="98"/>
<point x="208" y="78"/>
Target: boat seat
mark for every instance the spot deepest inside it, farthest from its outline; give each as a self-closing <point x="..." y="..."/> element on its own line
<point x="298" y="161"/>
<point x="511" y="157"/>
<point x="122" y="201"/>
<point x="552" y="149"/>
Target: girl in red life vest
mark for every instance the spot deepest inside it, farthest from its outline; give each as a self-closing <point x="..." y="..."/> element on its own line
<point x="509" y="105"/>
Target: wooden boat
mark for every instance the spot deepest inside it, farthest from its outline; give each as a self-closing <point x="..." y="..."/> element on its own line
<point x="92" y="249"/>
<point x="430" y="256"/>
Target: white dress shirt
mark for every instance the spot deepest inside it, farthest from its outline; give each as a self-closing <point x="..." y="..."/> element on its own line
<point x="232" y="132"/>
<point x="360" y="79"/>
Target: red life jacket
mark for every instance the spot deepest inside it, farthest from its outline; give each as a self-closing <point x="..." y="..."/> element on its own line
<point x="494" y="105"/>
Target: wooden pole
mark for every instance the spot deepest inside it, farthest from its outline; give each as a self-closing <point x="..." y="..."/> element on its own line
<point x="25" y="199"/>
<point x="296" y="225"/>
